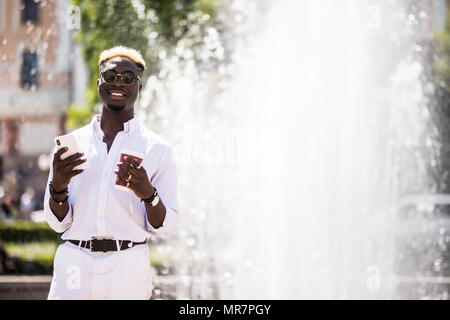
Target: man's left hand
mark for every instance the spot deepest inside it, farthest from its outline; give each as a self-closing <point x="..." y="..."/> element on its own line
<point x="128" y="172"/>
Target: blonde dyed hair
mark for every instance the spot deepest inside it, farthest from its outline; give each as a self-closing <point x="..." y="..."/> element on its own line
<point x="122" y="51"/>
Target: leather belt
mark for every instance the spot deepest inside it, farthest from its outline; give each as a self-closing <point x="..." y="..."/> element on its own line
<point x="105" y="245"/>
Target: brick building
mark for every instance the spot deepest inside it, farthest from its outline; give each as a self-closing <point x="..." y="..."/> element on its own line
<point x="38" y="63"/>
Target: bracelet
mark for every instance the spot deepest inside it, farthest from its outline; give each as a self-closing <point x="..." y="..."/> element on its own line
<point x="149" y="200"/>
<point x="60" y="203"/>
<point x="53" y="191"/>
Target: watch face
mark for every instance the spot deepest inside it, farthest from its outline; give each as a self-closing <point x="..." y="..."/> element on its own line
<point x="155" y="201"/>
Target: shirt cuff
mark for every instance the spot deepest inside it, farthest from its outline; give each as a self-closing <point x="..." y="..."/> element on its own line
<point x="168" y="226"/>
<point x="55" y="224"/>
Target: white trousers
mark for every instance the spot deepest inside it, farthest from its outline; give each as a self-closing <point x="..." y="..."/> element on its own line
<point x="81" y="274"/>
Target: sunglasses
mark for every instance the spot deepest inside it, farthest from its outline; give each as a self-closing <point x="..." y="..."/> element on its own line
<point x="127" y="77"/>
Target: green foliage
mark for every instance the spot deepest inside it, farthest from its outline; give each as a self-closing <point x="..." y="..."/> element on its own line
<point x="442" y="63"/>
<point x="31" y="248"/>
<point x="77" y="116"/>
<point x="39" y="252"/>
<point x="146" y="25"/>
<point x="26" y="231"/>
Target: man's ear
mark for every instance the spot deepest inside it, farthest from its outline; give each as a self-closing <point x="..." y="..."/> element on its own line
<point x="140" y="86"/>
<point x="98" y="83"/>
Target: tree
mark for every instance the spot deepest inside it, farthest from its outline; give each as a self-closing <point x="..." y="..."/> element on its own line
<point x="442" y="63"/>
<point x="441" y="106"/>
<point x="154" y="27"/>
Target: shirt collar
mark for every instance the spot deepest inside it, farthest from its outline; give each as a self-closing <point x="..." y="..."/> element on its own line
<point x="129" y="127"/>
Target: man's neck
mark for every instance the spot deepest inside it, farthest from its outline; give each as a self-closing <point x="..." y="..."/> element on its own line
<point x="111" y="122"/>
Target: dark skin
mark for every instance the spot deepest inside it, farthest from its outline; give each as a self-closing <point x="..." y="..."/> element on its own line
<point x="116" y="111"/>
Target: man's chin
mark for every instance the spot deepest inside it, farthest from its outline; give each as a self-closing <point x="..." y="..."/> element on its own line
<point x="115" y="107"/>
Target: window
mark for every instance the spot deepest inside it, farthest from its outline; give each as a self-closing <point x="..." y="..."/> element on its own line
<point x="29" y="69"/>
<point x="30" y="11"/>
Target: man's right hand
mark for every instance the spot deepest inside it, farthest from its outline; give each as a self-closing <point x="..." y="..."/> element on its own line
<point x="63" y="168"/>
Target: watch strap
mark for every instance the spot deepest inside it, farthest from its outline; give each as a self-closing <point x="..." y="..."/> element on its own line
<point x="150" y="200"/>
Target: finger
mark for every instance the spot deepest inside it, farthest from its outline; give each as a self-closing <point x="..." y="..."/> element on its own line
<point x="123" y="175"/>
<point x="58" y="153"/>
<point x="132" y="161"/>
<point x="123" y="182"/>
<point x="126" y="167"/>
<point x="72" y="158"/>
<point x="76" y="163"/>
<point x="74" y="173"/>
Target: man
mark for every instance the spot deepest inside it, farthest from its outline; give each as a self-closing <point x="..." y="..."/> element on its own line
<point x="105" y="255"/>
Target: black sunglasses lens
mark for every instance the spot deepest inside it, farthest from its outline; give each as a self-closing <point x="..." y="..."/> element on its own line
<point x="110" y="76"/>
<point x="128" y="77"/>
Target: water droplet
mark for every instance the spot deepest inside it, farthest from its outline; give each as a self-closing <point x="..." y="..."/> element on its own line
<point x="205" y="17"/>
<point x="153" y="35"/>
<point x="162" y="54"/>
<point x="190" y="242"/>
<point x="437" y="266"/>
<point x="165" y="271"/>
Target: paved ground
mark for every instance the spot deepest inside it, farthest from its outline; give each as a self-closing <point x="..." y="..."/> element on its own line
<point x="24" y="287"/>
<point x="37" y="287"/>
<point x="164" y="287"/>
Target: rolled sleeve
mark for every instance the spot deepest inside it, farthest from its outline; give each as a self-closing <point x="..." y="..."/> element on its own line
<point x="165" y="181"/>
<point x="52" y="220"/>
<point x="168" y="227"/>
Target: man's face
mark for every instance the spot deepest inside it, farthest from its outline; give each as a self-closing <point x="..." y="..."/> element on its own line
<point x="118" y="96"/>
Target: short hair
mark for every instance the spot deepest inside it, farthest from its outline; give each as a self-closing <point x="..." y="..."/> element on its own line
<point x="122" y="51"/>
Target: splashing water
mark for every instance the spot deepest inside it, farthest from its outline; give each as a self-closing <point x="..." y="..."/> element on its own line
<point x="292" y="176"/>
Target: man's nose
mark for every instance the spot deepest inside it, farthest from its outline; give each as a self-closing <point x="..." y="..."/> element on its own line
<point x="119" y="81"/>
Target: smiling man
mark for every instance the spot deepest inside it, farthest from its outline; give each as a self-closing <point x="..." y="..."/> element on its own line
<point x="106" y="228"/>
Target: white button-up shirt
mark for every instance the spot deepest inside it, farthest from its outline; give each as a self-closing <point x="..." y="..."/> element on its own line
<point x="96" y="208"/>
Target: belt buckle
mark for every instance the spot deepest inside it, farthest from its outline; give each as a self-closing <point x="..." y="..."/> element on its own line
<point x="93" y="248"/>
<point x="100" y="247"/>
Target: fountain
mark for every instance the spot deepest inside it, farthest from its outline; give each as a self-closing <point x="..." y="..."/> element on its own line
<point x="298" y="175"/>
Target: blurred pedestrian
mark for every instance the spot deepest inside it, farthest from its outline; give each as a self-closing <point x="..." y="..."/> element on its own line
<point x="27" y="202"/>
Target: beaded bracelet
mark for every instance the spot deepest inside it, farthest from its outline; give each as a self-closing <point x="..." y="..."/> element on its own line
<point x="53" y="192"/>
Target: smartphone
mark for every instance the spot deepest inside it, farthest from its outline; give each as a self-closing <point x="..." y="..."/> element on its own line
<point x="69" y="141"/>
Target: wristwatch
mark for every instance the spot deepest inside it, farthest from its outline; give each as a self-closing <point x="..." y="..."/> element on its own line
<point x="153" y="200"/>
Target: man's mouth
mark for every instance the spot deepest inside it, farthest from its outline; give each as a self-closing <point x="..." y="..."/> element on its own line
<point x="117" y="94"/>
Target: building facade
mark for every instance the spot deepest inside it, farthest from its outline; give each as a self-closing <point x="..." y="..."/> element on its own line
<point x="37" y="63"/>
